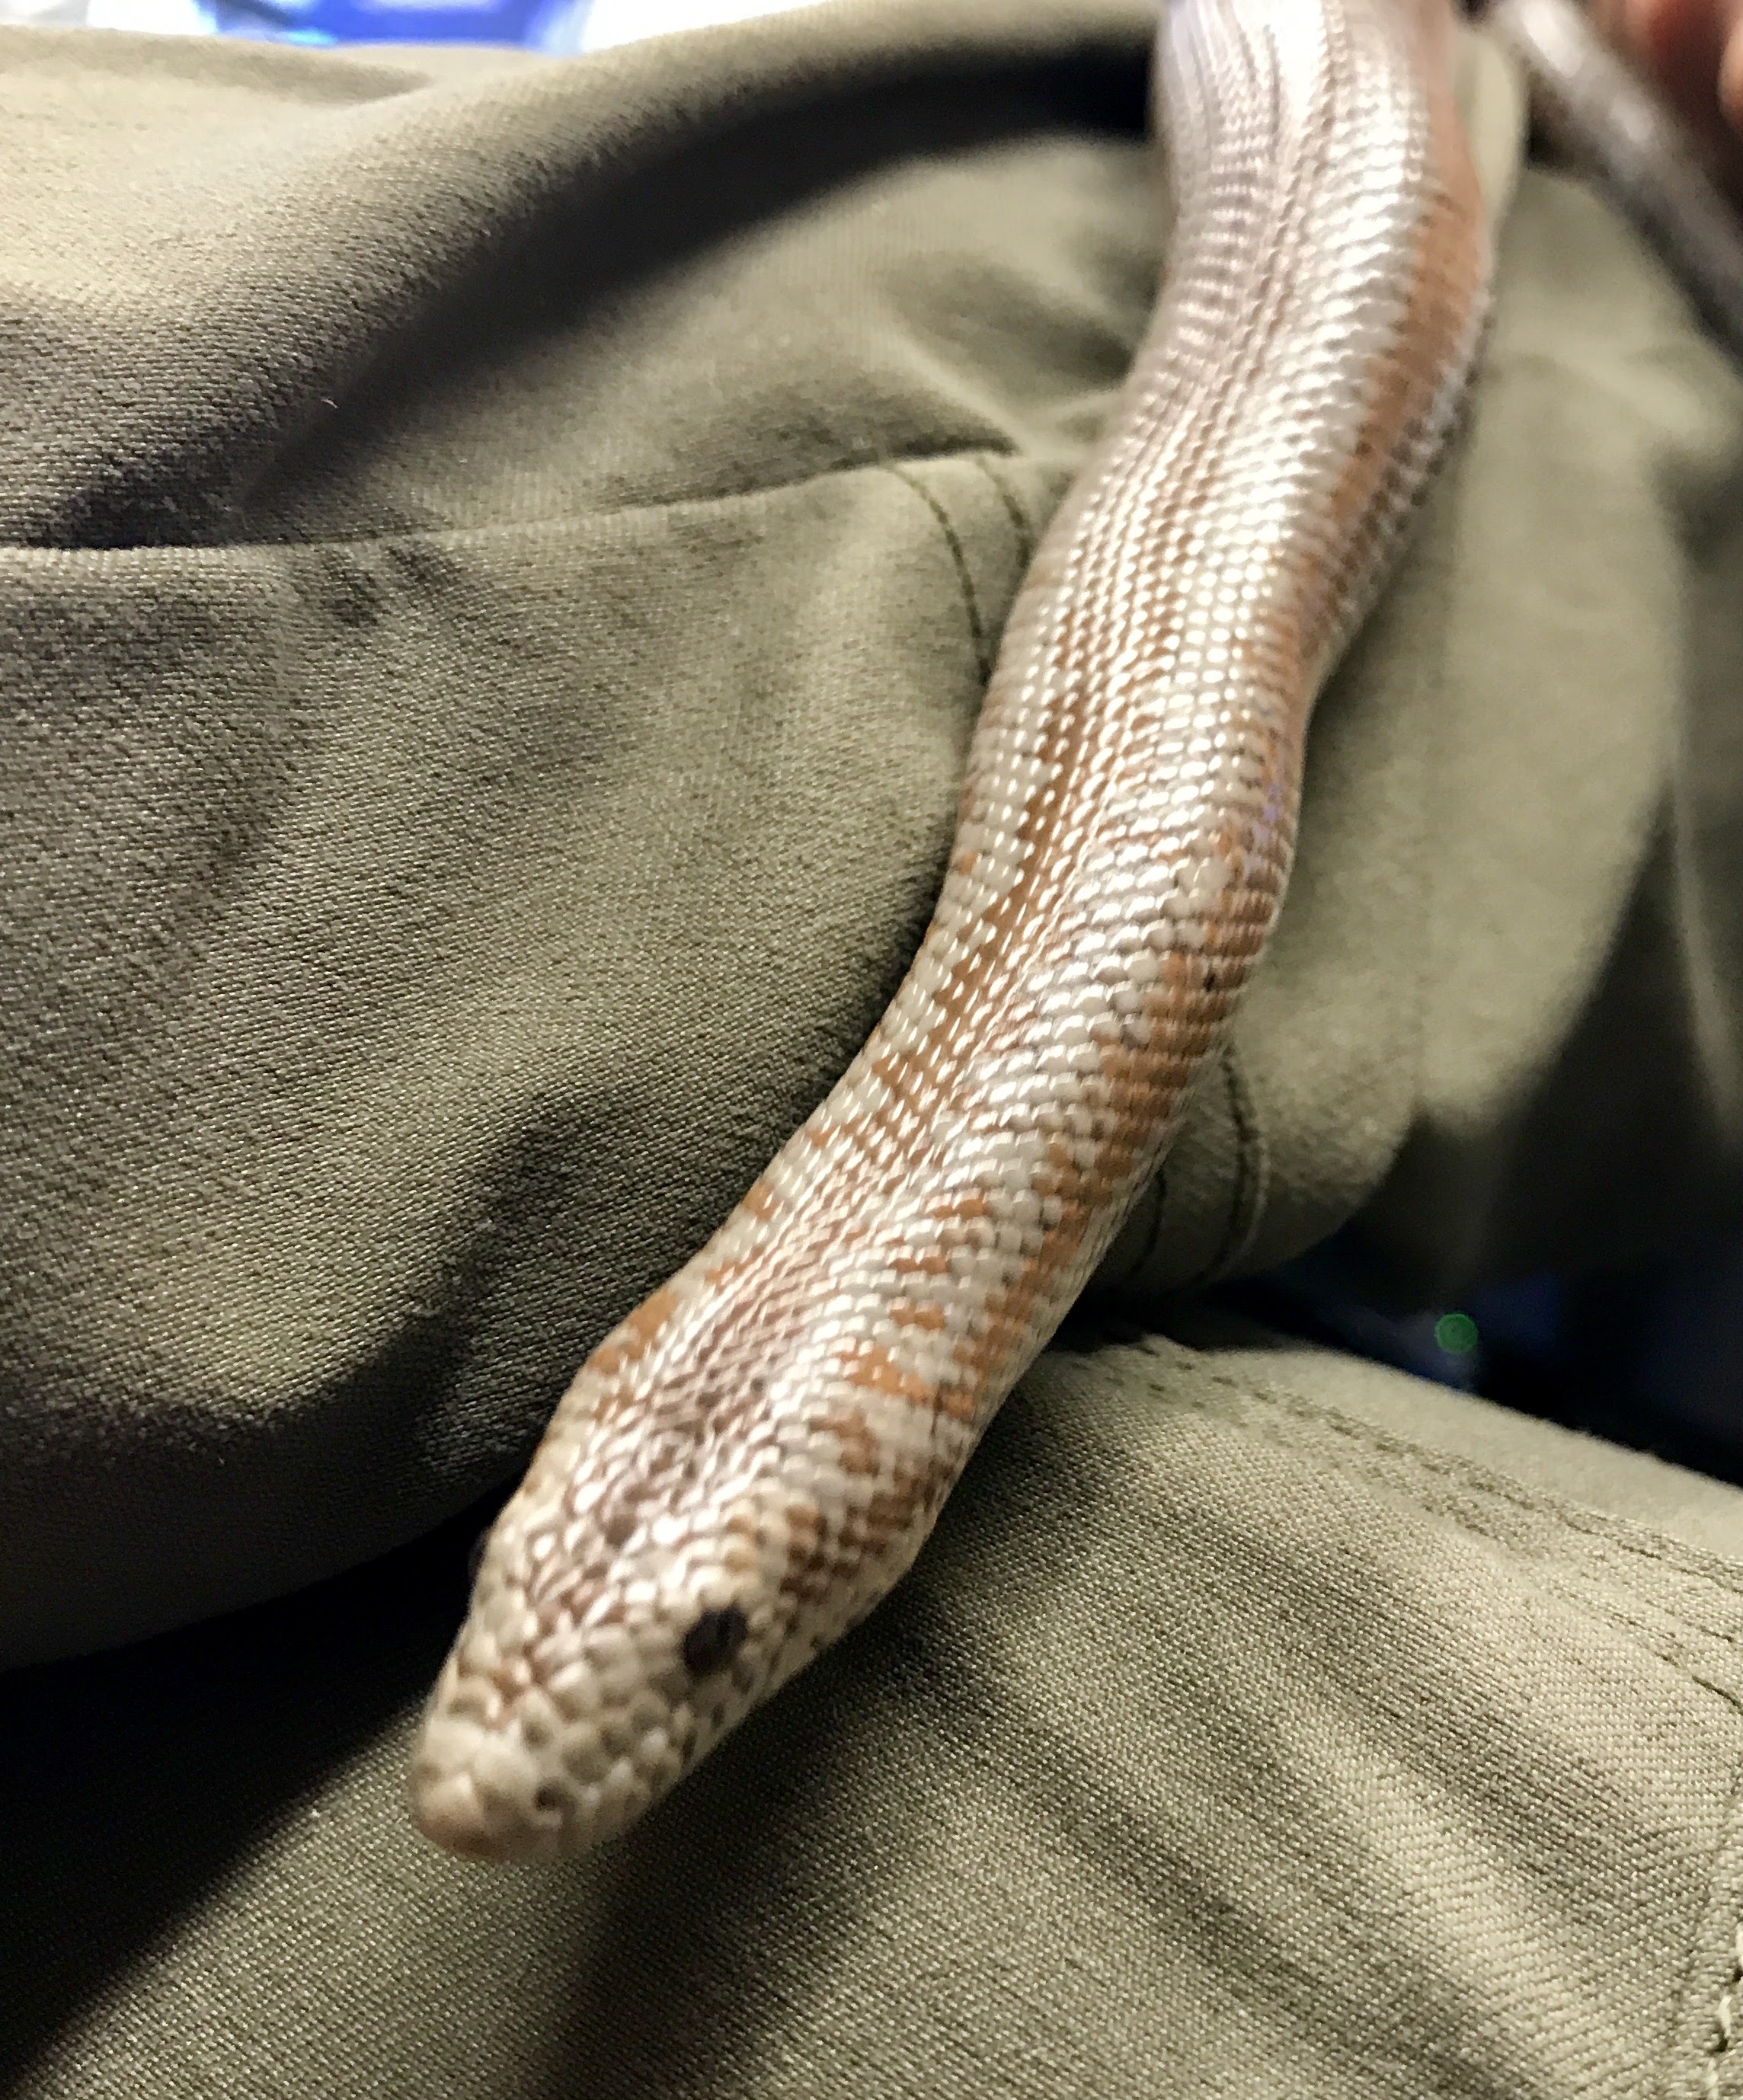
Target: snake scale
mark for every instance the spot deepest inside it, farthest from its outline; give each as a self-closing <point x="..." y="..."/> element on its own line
<point x="752" y="1460"/>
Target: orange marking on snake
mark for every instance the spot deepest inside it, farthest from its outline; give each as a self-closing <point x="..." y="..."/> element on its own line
<point x="756" y="1456"/>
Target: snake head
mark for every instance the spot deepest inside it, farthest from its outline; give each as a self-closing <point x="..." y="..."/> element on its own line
<point x="647" y="1586"/>
<point x="607" y="1648"/>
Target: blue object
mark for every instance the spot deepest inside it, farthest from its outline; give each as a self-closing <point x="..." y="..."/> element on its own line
<point x="545" y="25"/>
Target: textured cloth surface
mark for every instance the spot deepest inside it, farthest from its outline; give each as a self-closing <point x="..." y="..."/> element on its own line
<point x="501" y="560"/>
<point x="1224" y="1725"/>
<point x="498" y="560"/>
<point x="504" y="558"/>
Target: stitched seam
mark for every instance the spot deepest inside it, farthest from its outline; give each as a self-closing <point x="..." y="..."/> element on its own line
<point x="49" y="551"/>
<point x="1685" y="2046"/>
<point x="964" y="576"/>
<point x="1139" y="1265"/>
<point x="1612" y="1531"/>
<point x="1651" y="1635"/>
<point x="1448" y="1467"/>
<point x="1022" y="530"/>
<point x="1658" y="1634"/>
<point x="1655" y="1637"/>
<point x="1679" y="2043"/>
<point x="1724" y="2019"/>
<point x="1253" y="1167"/>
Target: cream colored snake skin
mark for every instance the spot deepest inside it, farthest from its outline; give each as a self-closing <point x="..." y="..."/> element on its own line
<point x="749" y="1463"/>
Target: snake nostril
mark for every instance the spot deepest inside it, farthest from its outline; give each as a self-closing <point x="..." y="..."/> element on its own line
<point x="713" y="1640"/>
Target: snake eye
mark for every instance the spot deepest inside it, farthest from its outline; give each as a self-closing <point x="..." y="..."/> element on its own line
<point x="713" y="1640"/>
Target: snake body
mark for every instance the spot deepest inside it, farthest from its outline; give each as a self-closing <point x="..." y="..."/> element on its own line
<point x="747" y="1465"/>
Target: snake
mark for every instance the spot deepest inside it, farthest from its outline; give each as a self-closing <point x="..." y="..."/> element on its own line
<point x="753" y="1459"/>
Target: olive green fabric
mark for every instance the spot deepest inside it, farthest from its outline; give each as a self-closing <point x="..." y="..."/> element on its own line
<point x="498" y="561"/>
<point x="504" y="559"/>
<point x="1240" y="1727"/>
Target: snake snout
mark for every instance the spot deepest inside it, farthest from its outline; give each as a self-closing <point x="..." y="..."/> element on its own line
<point x="567" y="1707"/>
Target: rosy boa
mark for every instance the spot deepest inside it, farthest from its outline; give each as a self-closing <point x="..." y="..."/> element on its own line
<point x="749" y="1463"/>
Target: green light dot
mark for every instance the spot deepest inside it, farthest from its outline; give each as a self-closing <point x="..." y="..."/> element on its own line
<point x="1456" y="1333"/>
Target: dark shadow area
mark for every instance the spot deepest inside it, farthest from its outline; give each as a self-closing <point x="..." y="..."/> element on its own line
<point x="134" y="1781"/>
<point x="1649" y="1357"/>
